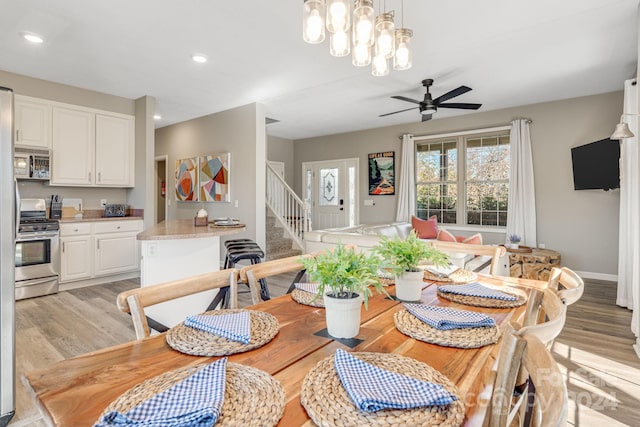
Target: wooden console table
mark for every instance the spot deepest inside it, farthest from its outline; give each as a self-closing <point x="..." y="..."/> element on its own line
<point x="536" y="264"/>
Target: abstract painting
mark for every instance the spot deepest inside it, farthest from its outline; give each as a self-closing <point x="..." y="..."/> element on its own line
<point x="186" y="176"/>
<point x="381" y="173"/>
<point x="213" y="178"/>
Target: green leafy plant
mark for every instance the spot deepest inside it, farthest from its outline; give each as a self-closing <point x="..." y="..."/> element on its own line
<point x="400" y="255"/>
<point x="345" y="273"/>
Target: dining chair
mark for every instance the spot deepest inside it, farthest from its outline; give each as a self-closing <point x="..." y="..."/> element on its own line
<point x="545" y="315"/>
<point x="252" y="274"/>
<point x="495" y="252"/>
<point x="522" y="351"/>
<point x="135" y="300"/>
<point x="567" y="284"/>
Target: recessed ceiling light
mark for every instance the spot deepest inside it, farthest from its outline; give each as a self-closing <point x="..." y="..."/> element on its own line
<point x="32" y="37"/>
<point x="157" y="117"/>
<point x="198" y="57"/>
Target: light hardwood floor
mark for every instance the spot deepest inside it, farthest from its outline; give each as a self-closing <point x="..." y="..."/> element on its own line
<point x="594" y="350"/>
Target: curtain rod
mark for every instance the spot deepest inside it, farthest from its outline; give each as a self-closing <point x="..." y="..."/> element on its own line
<point x="496" y="128"/>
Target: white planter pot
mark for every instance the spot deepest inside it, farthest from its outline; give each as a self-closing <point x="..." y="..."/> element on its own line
<point x="515" y="245"/>
<point x="343" y="316"/>
<point x="409" y="286"/>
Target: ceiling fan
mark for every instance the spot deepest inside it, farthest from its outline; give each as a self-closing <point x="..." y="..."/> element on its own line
<point x="428" y="106"/>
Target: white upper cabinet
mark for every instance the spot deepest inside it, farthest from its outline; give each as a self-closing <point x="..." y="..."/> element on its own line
<point x="92" y="147"/>
<point x="32" y="122"/>
<point x="73" y="143"/>
<point x="114" y="151"/>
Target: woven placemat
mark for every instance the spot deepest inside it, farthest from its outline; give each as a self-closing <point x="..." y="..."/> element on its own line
<point x="189" y="340"/>
<point x="459" y="276"/>
<point x="410" y="325"/>
<point x="307" y="298"/>
<point x="251" y="396"/>
<point x="488" y="302"/>
<point x="328" y="404"/>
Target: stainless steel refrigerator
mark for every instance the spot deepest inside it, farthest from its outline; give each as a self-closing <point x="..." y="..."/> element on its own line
<point x="7" y="259"/>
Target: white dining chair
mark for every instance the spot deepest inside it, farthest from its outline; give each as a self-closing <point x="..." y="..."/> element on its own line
<point x="567" y="284"/>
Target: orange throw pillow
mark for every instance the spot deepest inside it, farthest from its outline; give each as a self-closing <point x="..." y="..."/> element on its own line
<point x="446" y="236"/>
<point x="476" y="239"/>
<point x="425" y="228"/>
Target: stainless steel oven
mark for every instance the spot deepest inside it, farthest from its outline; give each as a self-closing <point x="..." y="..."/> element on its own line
<point x="37" y="253"/>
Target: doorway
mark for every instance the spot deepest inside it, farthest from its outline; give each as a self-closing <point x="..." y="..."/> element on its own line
<point x="160" y="191"/>
<point x="331" y="192"/>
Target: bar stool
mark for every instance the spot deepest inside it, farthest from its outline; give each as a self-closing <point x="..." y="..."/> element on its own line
<point x="239" y="250"/>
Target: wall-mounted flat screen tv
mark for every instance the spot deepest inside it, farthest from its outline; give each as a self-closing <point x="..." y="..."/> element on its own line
<point x="596" y="166"/>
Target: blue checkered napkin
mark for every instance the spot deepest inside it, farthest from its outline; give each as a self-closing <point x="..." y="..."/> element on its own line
<point x="373" y="389"/>
<point x="195" y="401"/>
<point x="235" y="326"/>
<point x="308" y="287"/>
<point x="445" y="319"/>
<point x="477" y="290"/>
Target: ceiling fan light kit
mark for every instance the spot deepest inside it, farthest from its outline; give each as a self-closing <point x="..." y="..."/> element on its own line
<point x="371" y="40"/>
<point x="622" y="130"/>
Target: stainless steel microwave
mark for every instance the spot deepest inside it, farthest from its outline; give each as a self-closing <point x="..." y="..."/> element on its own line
<point x="33" y="164"/>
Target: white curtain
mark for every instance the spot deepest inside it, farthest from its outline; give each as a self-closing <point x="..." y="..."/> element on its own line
<point x="521" y="214"/>
<point x="405" y="186"/>
<point x="629" y="239"/>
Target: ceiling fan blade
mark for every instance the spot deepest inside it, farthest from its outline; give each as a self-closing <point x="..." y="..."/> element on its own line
<point x="426" y="117"/>
<point x="401" y="111"/>
<point x="462" y="105"/>
<point x="404" y="98"/>
<point x="452" y="94"/>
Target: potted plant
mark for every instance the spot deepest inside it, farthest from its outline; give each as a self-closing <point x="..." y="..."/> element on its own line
<point x="514" y="239"/>
<point x="344" y="277"/>
<point x="402" y="257"/>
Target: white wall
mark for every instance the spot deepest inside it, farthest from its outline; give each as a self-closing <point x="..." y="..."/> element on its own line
<point x="581" y="225"/>
<point x="241" y="132"/>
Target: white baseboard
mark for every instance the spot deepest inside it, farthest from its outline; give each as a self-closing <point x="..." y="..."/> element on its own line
<point x="597" y="276"/>
<point x="98" y="280"/>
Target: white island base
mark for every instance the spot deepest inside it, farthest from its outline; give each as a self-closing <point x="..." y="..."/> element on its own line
<point x="176" y="250"/>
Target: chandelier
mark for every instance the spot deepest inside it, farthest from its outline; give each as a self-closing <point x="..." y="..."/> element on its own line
<point x="375" y="40"/>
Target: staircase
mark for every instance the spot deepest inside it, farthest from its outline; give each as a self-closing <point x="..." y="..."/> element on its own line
<point x="287" y="218"/>
<point x="279" y="245"/>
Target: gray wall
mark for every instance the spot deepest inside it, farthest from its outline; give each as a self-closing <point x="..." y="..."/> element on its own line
<point x="142" y="195"/>
<point x="581" y="225"/>
<point x="281" y="150"/>
<point x="239" y="131"/>
<point x="43" y="89"/>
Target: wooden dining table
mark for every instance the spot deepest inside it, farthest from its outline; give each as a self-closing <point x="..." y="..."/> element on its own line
<point x="74" y="392"/>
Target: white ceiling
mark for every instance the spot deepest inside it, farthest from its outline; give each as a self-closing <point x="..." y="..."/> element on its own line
<point x="511" y="52"/>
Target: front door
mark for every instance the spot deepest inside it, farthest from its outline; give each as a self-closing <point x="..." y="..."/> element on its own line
<point x="331" y="191"/>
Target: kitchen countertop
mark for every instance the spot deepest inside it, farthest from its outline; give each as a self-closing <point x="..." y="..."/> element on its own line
<point x="184" y="229"/>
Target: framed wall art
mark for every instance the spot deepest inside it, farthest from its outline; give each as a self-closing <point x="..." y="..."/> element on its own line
<point x="186" y="179"/>
<point x="213" y="178"/>
<point x="382" y="180"/>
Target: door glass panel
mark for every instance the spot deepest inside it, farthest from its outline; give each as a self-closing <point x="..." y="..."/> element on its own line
<point x="352" y="195"/>
<point x="328" y="187"/>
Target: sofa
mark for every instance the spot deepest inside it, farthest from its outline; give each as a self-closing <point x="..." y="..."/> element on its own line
<point x="366" y="236"/>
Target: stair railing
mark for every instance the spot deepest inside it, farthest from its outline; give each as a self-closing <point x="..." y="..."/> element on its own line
<point x="290" y="211"/>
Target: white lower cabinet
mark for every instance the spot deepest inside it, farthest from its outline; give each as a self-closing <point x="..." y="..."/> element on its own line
<point x="99" y="249"/>
<point x="76" y="258"/>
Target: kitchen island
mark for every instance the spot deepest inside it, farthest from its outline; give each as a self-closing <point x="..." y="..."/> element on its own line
<point x="176" y="249"/>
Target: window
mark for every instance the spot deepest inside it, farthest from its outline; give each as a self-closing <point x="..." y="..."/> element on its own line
<point x="464" y="179"/>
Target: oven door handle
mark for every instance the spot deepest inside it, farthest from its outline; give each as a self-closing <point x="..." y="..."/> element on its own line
<point x="35" y="237"/>
<point x="38" y="281"/>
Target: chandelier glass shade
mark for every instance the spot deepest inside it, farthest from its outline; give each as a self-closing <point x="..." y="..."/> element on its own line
<point x="354" y="29"/>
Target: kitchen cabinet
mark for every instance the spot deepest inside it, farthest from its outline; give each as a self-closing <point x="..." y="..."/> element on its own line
<point x="73" y="143"/>
<point x="114" y="150"/>
<point x="93" y="250"/>
<point x="92" y="148"/>
<point x="76" y="243"/>
<point x="116" y="249"/>
<point x="32" y="122"/>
